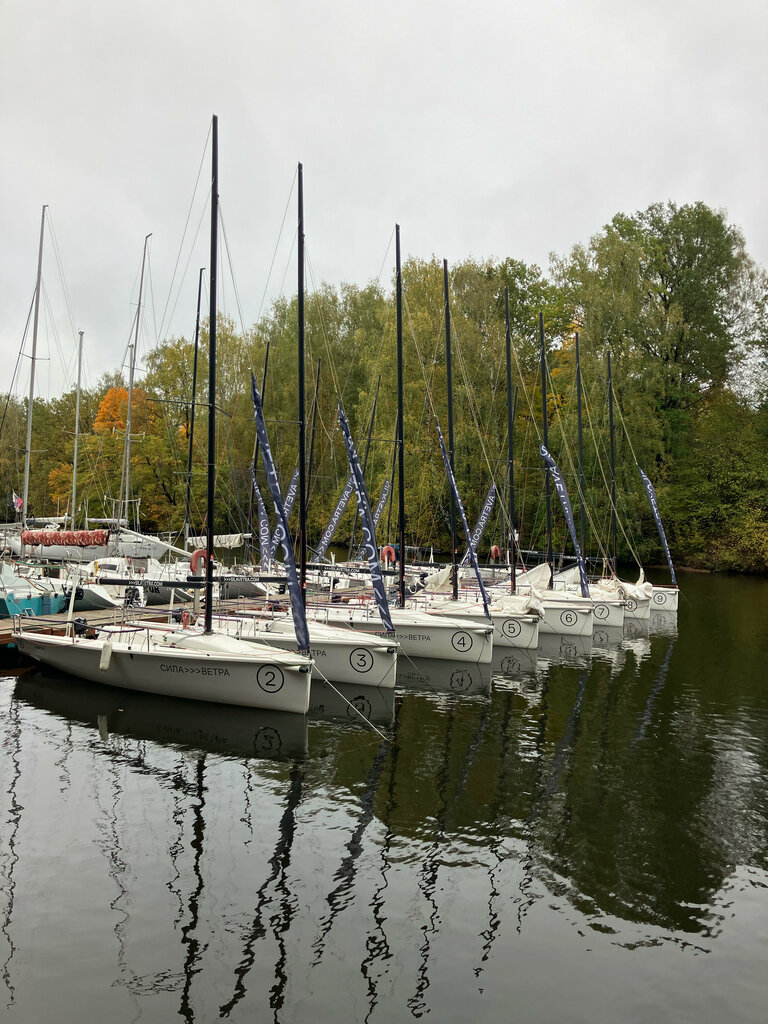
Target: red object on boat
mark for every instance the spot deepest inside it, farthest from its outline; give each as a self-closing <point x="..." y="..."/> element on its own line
<point x="69" y="538"/>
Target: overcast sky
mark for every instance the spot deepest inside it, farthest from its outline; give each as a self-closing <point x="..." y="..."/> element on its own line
<point x="490" y="129"/>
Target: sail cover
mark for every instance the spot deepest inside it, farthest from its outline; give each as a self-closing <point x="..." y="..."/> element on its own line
<point x="69" y="538"/>
<point x="651" y="495"/>
<point x="220" y="540"/>
<point x="565" y="501"/>
<point x="294" y="588"/>
<point x="366" y="521"/>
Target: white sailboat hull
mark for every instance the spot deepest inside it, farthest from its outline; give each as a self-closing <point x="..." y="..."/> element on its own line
<point x="142" y="660"/>
<point x="419" y="634"/>
<point x="665" y="599"/>
<point x="638" y="607"/>
<point x="341" y="655"/>
<point x="510" y="628"/>
<point x="607" y="614"/>
<point x="566" y="617"/>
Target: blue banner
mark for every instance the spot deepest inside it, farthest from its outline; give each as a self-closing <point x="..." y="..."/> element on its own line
<point x="377" y="512"/>
<point x="482" y="521"/>
<point x="366" y="521"/>
<point x="382" y="501"/>
<point x="565" y="501"/>
<point x="294" y="587"/>
<point x="472" y="553"/>
<point x="651" y="495"/>
<point x="338" y="512"/>
<point x="264" y="530"/>
<point x="290" y="497"/>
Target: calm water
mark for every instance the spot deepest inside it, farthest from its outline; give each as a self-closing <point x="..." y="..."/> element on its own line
<point x="580" y="836"/>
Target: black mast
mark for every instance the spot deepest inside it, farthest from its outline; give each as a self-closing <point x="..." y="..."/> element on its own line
<point x="400" y="449"/>
<point x="613" y="468"/>
<point x="302" y="426"/>
<point x="455" y="573"/>
<point x="511" y="405"/>
<point x="212" y="373"/>
<point x="187" y="508"/>
<point x="312" y="434"/>
<point x="545" y="436"/>
<point x="582" y="515"/>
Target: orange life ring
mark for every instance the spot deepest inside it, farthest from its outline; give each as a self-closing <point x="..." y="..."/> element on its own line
<point x="194" y="561"/>
<point x="495" y="552"/>
<point x="388" y="554"/>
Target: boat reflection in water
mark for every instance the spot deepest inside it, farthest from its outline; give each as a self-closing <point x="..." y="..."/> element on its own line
<point x="636" y="629"/>
<point x="218" y="728"/>
<point x="608" y="638"/>
<point x="444" y="676"/>
<point x="561" y="649"/>
<point x="615" y="819"/>
<point x="662" y="623"/>
<point x="359" y="704"/>
<point x="511" y="664"/>
<point x="611" y="646"/>
<point x="518" y="672"/>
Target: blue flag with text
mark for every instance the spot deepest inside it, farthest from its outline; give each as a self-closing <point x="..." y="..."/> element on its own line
<point x="459" y="505"/>
<point x="565" y="501"/>
<point x="482" y="521"/>
<point x="651" y="495"/>
<point x="338" y="512"/>
<point x="366" y="521"/>
<point x="294" y="587"/>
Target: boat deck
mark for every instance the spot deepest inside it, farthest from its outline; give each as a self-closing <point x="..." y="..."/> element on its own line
<point x="103" y="616"/>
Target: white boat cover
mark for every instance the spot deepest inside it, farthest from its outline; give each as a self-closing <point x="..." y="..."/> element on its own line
<point x="220" y="540"/>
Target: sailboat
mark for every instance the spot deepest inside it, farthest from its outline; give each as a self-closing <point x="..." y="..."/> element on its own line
<point x="565" y="613"/>
<point x="419" y="633"/>
<point x="339" y="655"/>
<point x="609" y="602"/>
<point x="516" y="618"/>
<point x="49" y="538"/>
<point x="25" y="591"/>
<point x="637" y="595"/>
<point x="178" y="660"/>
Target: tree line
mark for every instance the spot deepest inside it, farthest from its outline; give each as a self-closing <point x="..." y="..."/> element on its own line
<point x="670" y="292"/>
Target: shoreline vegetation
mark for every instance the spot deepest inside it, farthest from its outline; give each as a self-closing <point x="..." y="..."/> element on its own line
<point x="670" y="291"/>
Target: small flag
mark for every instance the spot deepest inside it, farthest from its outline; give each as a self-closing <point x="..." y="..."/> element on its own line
<point x="17" y="502"/>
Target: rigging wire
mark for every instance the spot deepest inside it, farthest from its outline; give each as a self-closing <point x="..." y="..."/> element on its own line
<point x="165" y="314"/>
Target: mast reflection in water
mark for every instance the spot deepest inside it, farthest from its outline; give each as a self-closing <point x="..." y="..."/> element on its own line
<point x="563" y="832"/>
